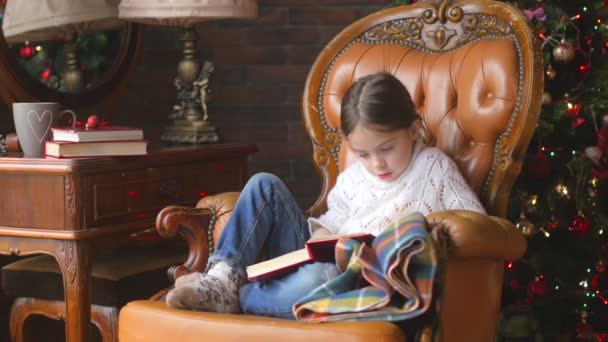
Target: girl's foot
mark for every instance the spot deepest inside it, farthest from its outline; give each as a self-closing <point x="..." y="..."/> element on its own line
<point x="216" y="291"/>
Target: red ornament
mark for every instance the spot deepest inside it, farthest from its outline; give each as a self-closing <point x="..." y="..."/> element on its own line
<point x="92" y="122"/>
<point x="573" y="110"/>
<point x="537" y="289"/>
<point x="553" y="224"/>
<point x="599" y="153"/>
<point x="27" y="51"/>
<point x="595" y="282"/>
<point x="580" y="225"/>
<point x="577" y="122"/>
<point x="539" y="166"/>
<point x="45" y="74"/>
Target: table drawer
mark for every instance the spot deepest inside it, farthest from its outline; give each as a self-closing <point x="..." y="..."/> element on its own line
<point x="124" y="196"/>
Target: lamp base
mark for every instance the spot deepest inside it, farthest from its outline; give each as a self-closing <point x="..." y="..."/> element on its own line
<point x="190" y="132"/>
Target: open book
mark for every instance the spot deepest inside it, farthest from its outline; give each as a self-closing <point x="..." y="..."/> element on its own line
<point x="319" y="250"/>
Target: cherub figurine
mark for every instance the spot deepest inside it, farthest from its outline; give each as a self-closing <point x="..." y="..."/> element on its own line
<point x="178" y="109"/>
<point x="194" y="95"/>
<point x="202" y="84"/>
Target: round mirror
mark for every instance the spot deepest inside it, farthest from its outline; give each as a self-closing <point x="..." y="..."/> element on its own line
<point x="32" y="71"/>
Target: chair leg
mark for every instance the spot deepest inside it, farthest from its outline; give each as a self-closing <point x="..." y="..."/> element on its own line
<point x="104" y="317"/>
<point x="106" y="320"/>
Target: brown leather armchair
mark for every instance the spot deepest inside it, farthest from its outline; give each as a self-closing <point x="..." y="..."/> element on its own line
<point x="475" y="73"/>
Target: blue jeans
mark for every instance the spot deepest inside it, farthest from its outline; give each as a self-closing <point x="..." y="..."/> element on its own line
<point x="267" y="217"/>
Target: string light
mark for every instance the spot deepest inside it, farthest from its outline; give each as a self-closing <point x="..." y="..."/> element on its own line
<point x="562" y="189"/>
<point x="546" y="233"/>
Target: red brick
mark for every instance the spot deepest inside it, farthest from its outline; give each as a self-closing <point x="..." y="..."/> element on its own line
<point x="225" y="74"/>
<point x="286" y="36"/>
<point x="266" y="36"/>
<point x="221" y="36"/>
<point x="328" y="33"/>
<point x="378" y="3"/>
<point x="275" y="132"/>
<point x="322" y="16"/>
<point x="280" y="112"/>
<point x="294" y="93"/>
<point x="225" y="94"/>
<point x="278" y="73"/>
<point x="272" y="17"/>
<point x="249" y="55"/>
<point x="279" y="168"/>
<point x="260" y="113"/>
<point x="303" y="35"/>
<point x="302" y="55"/>
<point x="289" y="3"/>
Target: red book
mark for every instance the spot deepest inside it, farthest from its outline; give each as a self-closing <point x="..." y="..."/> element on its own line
<point x="66" y="149"/>
<point x="319" y="250"/>
<point x="107" y="133"/>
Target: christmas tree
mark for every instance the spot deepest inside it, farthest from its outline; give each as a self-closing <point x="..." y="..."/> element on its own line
<point x="559" y="290"/>
<point x="560" y="201"/>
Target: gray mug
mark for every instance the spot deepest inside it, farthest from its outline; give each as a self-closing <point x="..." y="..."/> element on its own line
<point x="33" y="122"/>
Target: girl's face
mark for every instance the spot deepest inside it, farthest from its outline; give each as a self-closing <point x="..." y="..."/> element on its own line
<point x="384" y="154"/>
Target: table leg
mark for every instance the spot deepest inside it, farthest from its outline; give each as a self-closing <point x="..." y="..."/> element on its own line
<point x="75" y="262"/>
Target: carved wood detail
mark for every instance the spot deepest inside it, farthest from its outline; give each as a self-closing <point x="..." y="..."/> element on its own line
<point x="73" y="206"/>
<point x="105" y="318"/>
<point x="446" y="26"/>
<point x="195" y="226"/>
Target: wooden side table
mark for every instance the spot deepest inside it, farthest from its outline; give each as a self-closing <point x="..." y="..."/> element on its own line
<point x="65" y="207"/>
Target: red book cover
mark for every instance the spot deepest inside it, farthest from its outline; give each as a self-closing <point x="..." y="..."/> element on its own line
<point x="65" y="149"/>
<point x="320" y="250"/>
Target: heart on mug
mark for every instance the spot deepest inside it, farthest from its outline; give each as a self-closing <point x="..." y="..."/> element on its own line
<point x="40" y="124"/>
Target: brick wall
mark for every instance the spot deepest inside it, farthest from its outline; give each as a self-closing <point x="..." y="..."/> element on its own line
<point x="261" y="67"/>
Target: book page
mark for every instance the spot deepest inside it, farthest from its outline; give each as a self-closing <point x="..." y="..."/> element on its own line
<point x="285" y="262"/>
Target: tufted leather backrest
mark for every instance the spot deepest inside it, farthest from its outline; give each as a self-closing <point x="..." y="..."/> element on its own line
<point x="473" y="69"/>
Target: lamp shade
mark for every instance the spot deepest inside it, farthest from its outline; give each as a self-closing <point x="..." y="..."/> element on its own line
<point x="37" y="20"/>
<point x="184" y="12"/>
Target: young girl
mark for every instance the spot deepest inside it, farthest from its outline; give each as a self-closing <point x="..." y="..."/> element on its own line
<point x="395" y="174"/>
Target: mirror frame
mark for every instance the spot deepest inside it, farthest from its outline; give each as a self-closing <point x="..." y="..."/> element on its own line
<point x="17" y="86"/>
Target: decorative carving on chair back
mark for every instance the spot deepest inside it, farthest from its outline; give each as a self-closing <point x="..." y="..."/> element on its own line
<point x="473" y="69"/>
<point x="439" y="28"/>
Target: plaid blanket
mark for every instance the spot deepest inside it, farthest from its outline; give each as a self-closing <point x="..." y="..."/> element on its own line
<point x="391" y="280"/>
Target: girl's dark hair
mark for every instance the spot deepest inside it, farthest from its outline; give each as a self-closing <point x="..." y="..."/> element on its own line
<point x="379" y="101"/>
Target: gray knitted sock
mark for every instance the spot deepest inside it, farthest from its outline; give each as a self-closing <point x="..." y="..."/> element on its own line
<point x="216" y="291"/>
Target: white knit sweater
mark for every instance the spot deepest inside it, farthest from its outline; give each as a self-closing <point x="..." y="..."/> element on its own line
<point x="360" y="202"/>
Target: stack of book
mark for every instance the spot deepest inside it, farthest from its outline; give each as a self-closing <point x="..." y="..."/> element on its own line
<point x="79" y="142"/>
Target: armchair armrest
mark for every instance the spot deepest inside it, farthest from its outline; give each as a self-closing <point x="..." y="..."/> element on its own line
<point x="198" y="226"/>
<point x="472" y="234"/>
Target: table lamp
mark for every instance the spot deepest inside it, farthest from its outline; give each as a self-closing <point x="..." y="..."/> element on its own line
<point x="190" y="123"/>
<point x="41" y="20"/>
